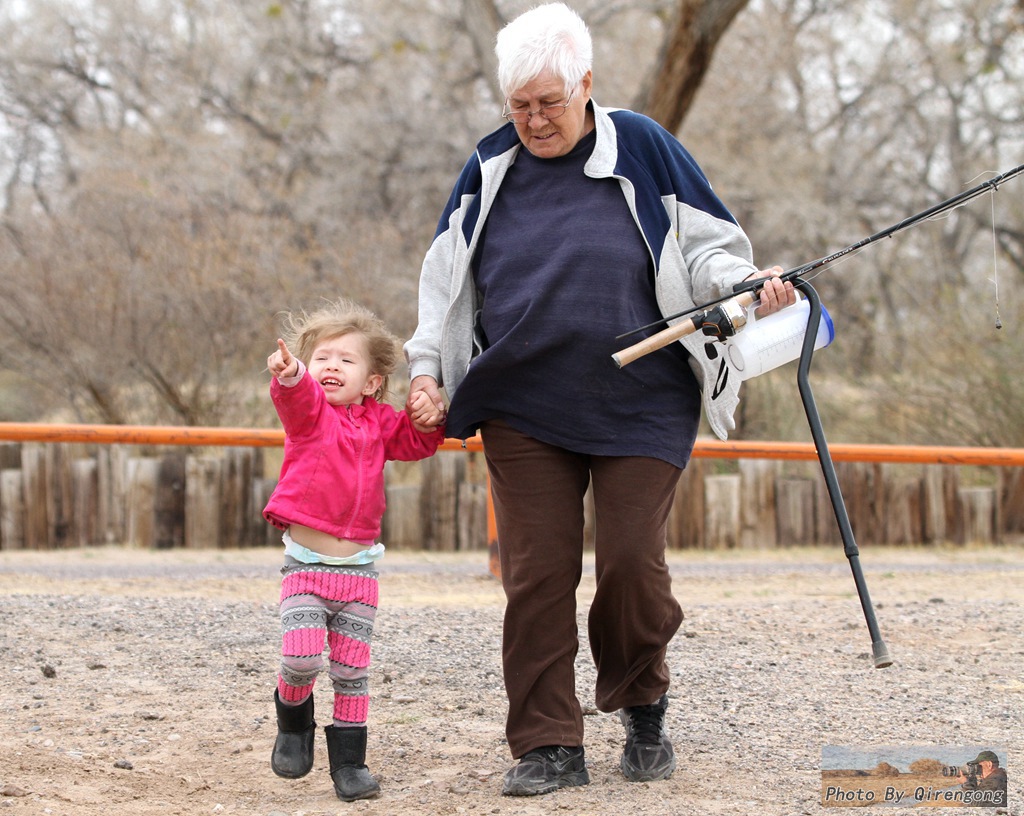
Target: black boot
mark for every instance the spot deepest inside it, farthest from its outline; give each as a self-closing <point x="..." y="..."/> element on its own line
<point x="346" y="748"/>
<point x="293" y="749"/>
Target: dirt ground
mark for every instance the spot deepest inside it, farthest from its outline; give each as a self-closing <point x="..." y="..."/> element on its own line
<point x="140" y="683"/>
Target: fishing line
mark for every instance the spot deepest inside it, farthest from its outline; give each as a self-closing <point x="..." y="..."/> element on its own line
<point x="995" y="263"/>
<point x="994" y="280"/>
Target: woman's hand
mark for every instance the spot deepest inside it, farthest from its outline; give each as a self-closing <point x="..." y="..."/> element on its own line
<point x="424" y="414"/>
<point x="424" y="404"/>
<point x="776" y="294"/>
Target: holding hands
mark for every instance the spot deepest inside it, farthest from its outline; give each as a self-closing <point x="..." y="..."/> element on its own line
<point x="426" y="416"/>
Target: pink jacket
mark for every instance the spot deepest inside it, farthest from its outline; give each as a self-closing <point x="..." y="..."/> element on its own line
<point x="332" y="478"/>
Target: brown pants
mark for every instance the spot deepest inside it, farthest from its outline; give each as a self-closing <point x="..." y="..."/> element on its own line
<point x="538" y="492"/>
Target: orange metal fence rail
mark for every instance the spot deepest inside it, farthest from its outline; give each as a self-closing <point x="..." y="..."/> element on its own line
<point x="164" y="435"/>
<point x="705" y="448"/>
<point x="896" y="454"/>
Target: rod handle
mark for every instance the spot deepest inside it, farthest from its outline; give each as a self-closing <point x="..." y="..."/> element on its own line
<point x="654" y="342"/>
<point x="666" y="336"/>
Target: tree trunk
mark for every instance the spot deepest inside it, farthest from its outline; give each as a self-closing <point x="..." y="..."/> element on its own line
<point x="670" y="88"/>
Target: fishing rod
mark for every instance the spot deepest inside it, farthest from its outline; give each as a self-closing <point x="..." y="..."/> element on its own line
<point x="729" y="314"/>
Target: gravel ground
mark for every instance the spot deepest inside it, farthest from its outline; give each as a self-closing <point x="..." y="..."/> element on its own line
<point x="140" y="682"/>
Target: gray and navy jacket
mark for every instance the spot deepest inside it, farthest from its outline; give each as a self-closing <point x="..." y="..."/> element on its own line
<point x="697" y="248"/>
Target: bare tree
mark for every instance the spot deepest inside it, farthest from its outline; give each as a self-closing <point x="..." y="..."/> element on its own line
<point x="854" y="119"/>
<point x="175" y="173"/>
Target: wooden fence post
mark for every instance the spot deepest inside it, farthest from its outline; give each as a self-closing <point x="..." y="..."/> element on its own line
<point x="826" y="525"/>
<point x="60" y="500"/>
<point x="402" y="527"/>
<point x="589" y="518"/>
<point x="238" y="516"/>
<point x="12" y="507"/>
<point x="112" y="483"/>
<point x="141" y="501"/>
<point x="686" y="518"/>
<point x="863" y="492"/>
<point x="1011" y="499"/>
<point x="977" y="515"/>
<point x="202" y="502"/>
<point x="265" y="534"/>
<point x="439" y="500"/>
<point x="472" y="516"/>
<point x="34" y="490"/>
<point x="169" y="502"/>
<point x="722" y="512"/>
<point x="10" y="455"/>
<point x="12" y="510"/>
<point x="758" y="507"/>
<point x="795" y="503"/>
<point x="934" y="526"/>
<point x="85" y="500"/>
<point x="903" y="516"/>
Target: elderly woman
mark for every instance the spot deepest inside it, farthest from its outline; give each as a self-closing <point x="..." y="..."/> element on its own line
<point x="569" y="225"/>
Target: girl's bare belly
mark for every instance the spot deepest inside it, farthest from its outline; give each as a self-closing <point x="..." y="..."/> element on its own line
<point x="324" y="543"/>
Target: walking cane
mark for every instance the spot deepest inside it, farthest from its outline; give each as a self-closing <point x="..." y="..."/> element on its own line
<point x="879" y="651"/>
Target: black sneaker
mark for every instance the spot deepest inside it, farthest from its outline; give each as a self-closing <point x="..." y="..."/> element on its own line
<point x="648" y="755"/>
<point x="546" y="769"/>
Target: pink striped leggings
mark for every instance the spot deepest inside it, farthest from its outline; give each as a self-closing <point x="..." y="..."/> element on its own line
<point x="337" y="603"/>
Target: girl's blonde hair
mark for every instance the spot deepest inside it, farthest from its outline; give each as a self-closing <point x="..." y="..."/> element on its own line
<point x="304" y="332"/>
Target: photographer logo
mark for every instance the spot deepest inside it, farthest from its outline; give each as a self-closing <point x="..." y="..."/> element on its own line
<point x="912" y="776"/>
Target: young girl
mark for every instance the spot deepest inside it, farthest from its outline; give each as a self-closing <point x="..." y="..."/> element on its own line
<point x="329" y="502"/>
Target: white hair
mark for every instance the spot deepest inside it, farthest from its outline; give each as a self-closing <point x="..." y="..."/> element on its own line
<point x="550" y="38"/>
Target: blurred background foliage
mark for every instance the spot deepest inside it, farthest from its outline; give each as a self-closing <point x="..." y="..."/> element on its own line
<point x="175" y="173"/>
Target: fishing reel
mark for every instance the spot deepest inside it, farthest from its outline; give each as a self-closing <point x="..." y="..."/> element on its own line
<point x="725" y="320"/>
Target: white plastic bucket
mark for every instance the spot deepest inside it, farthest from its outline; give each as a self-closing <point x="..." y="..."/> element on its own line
<point x="768" y="342"/>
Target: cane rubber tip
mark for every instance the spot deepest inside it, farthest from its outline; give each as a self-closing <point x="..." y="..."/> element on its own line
<point x="881" y="655"/>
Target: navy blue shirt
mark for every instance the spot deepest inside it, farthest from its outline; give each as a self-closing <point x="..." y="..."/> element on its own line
<point x="562" y="268"/>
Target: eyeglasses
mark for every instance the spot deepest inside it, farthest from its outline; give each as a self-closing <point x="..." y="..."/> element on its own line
<point x="549" y="112"/>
